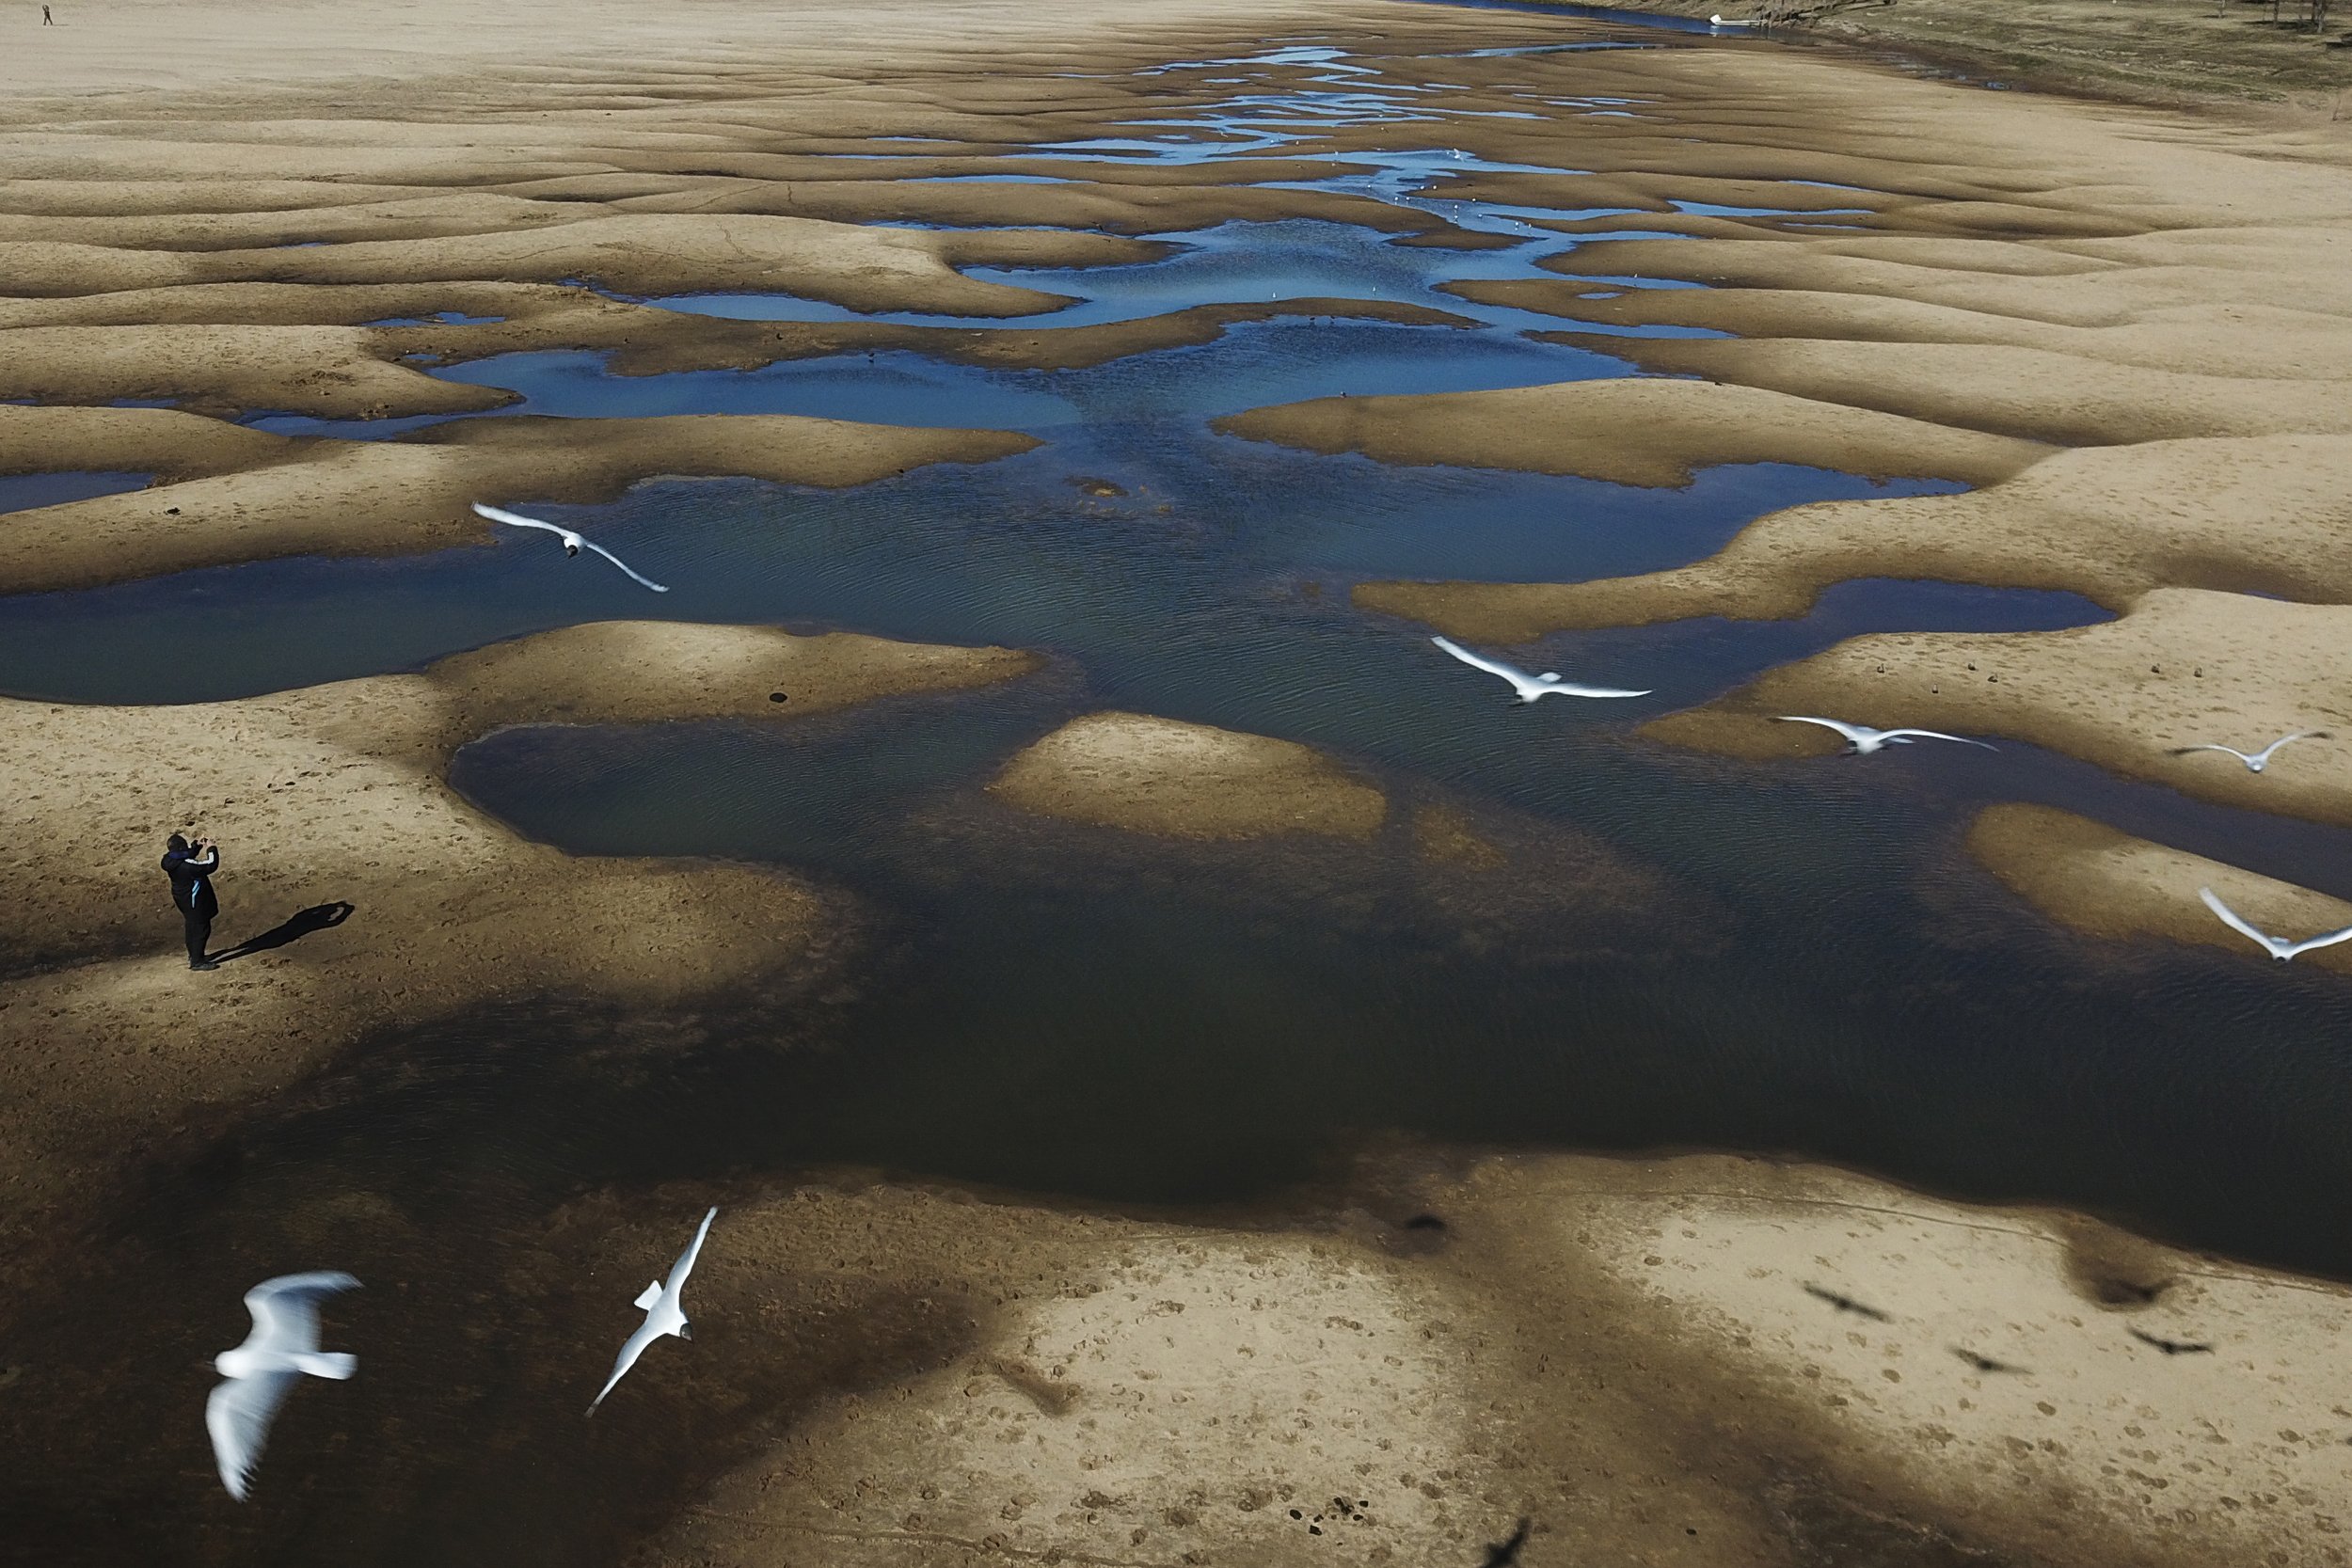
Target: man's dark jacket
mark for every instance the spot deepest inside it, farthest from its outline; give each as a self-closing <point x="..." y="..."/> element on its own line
<point x="192" y="880"/>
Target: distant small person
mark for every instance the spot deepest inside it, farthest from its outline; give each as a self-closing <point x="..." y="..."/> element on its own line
<point x="46" y="20"/>
<point x="191" y="868"/>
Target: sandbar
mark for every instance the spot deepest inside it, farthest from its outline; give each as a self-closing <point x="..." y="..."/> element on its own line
<point x="1164" y="776"/>
<point x="2183" y="667"/>
<point x="1652" y="433"/>
<point x="2112" y="885"/>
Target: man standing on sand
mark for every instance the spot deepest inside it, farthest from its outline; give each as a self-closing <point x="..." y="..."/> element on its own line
<point x="191" y="873"/>
<point x="46" y="20"/>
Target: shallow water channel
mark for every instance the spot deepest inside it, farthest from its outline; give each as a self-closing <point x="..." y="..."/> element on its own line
<point x="1687" y="952"/>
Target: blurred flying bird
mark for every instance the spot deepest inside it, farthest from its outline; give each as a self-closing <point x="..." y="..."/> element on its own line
<point x="2259" y="760"/>
<point x="2171" y="1346"/>
<point x="2277" y="947"/>
<point x="260" y="1373"/>
<point x="573" y="543"/>
<point x="1530" y="687"/>
<point x="664" y="1313"/>
<point x="1984" y="1363"/>
<point x="1865" y="740"/>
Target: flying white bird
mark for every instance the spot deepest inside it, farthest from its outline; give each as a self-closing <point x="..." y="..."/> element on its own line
<point x="663" y="1315"/>
<point x="2277" y="947"/>
<point x="1867" y="739"/>
<point x="1726" y="22"/>
<point x="2259" y="760"/>
<point x="1529" y="687"/>
<point x="573" y="543"/>
<point x="261" y="1372"/>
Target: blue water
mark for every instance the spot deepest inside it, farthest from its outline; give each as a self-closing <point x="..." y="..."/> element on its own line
<point x="1262" y="263"/>
<point x="23" y="492"/>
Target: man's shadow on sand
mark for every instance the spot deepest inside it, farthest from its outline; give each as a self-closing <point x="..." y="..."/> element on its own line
<point x="300" y="923"/>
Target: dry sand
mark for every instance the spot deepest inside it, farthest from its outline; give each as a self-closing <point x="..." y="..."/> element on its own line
<point x="2185" y="668"/>
<point x="1187" y="781"/>
<point x="1626" y="1352"/>
<point x="1634" y="431"/>
<point x="336" y="793"/>
<point x="320" y="496"/>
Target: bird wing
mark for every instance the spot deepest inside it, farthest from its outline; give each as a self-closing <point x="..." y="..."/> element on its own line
<point x="238" y="1414"/>
<point x="515" y="519"/>
<point x="1493" y="667"/>
<point x="286" y="1309"/>
<point x="2300" y="734"/>
<point x="2236" y="922"/>
<point x="623" y="565"/>
<point x="1938" y="735"/>
<point x="2325" y="940"/>
<point x="685" y="1264"/>
<point x="1569" y="688"/>
<point x="1855" y="732"/>
<point x="631" y="1348"/>
<point x="2184" y="751"/>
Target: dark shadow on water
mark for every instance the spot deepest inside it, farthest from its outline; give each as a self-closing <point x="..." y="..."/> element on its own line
<point x="23" y="492"/>
<point x="300" y="923"/>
